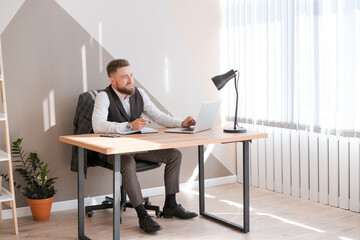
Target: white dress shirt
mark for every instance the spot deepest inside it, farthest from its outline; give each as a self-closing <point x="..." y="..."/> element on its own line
<point x="100" y="123"/>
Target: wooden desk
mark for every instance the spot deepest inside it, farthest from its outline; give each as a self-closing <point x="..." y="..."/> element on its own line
<point x="157" y="141"/>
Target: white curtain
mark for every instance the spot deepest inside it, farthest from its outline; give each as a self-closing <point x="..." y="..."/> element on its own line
<point x="299" y="63"/>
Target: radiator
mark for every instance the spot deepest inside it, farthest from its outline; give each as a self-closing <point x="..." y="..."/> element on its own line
<point x="316" y="167"/>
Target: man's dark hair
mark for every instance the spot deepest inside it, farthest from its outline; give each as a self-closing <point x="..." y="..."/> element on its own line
<point x="115" y="64"/>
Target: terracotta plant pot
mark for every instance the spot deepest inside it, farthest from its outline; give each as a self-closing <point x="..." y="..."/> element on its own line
<point x="40" y="208"/>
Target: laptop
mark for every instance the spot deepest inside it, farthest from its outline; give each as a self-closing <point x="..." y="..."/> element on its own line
<point x="205" y="120"/>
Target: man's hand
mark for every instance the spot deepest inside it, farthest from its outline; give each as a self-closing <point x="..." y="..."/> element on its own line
<point x="139" y="124"/>
<point x="188" y="122"/>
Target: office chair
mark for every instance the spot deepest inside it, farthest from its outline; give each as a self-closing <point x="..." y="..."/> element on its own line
<point x="141" y="166"/>
<point x="83" y="125"/>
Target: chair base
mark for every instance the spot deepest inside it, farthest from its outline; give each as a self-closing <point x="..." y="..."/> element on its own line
<point x="108" y="203"/>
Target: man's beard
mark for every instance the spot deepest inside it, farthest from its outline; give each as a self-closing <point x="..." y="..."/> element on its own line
<point x="127" y="91"/>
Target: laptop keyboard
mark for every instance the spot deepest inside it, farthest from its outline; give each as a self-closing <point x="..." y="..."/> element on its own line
<point x="188" y="129"/>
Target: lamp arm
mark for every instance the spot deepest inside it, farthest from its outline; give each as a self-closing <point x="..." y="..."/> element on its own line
<point x="236" y="79"/>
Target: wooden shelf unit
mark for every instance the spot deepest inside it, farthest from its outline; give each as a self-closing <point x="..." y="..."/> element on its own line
<point x="8" y="195"/>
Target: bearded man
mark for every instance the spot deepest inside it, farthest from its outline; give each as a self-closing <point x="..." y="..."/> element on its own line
<point x="119" y="108"/>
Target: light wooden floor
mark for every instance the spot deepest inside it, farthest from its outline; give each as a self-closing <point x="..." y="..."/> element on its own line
<point x="273" y="216"/>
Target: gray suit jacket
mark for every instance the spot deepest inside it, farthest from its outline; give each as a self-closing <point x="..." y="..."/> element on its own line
<point x="83" y="125"/>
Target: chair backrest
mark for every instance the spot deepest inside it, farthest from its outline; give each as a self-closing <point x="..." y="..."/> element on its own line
<point x="83" y="125"/>
<point x="84" y="110"/>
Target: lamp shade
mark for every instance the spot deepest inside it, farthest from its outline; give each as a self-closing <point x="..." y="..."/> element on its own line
<point x="221" y="80"/>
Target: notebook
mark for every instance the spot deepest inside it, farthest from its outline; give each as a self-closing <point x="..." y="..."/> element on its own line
<point x="205" y="120"/>
<point x="144" y="130"/>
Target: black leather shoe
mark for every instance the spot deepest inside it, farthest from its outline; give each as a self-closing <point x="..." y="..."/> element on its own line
<point x="179" y="212"/>
<point x="148" y="224"/>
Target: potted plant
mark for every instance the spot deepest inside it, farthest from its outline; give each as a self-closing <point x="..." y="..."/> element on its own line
<point x="39" y="190"/>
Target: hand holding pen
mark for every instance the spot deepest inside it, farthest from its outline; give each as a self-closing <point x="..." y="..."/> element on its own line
<point x="142" y="116"/>
<point x="139" y="123"/>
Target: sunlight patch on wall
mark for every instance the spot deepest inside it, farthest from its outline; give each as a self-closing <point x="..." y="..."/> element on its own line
<point x="100" y="47"/>
<point x="190" y="182"/>
<point x="84" y="68"/>
<point x="52" y="108"/>
<point x="46" y="114"/>
<point x="166" y="73"/>
<point x="49" y="115"/>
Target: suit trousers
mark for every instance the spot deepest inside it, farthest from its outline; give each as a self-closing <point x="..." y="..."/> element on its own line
<point x="170" y="157"/>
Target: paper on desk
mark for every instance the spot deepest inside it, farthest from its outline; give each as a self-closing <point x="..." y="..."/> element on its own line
<point x="144" y="130"/>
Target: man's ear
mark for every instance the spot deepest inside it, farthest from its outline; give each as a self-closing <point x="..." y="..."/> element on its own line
<point x="111" y="80"/>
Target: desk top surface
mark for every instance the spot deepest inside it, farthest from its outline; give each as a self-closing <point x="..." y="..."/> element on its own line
<point x="155" y="141"/>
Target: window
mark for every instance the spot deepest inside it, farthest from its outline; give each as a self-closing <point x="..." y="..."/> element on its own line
<point x="299" y="63"/>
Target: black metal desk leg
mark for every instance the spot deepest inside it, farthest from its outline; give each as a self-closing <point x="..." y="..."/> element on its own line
<point x="201" y="179"/>
<point x="246" y="186"/>
<point x="80" y="175"/>
<point x="116" y="202"/>
<point x="203" y="213"/>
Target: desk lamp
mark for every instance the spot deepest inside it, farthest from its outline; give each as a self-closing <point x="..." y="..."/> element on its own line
<point x="220" y="81"/>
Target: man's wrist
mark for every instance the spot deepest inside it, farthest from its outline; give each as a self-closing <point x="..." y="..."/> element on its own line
<point x="129" y="126"/>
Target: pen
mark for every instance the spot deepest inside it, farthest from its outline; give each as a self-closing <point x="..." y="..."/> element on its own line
<point x="146" y="119"/>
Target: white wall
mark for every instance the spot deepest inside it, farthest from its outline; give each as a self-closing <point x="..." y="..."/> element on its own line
<point x="62" y="47"/>
<point x="145" y="33"/>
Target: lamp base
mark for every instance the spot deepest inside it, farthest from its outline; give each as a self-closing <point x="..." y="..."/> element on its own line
<point x="236" y="130"/>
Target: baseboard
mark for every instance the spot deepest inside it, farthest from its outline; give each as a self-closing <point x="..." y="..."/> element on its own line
<point x="72" y="204"/>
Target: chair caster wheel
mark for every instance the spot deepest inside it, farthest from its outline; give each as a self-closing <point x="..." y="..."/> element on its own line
<point x="90" y="214"/>
<point x="159" y="214"/>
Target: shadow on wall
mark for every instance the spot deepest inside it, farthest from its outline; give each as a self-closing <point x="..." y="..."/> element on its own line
<point x="49" y="59"/>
